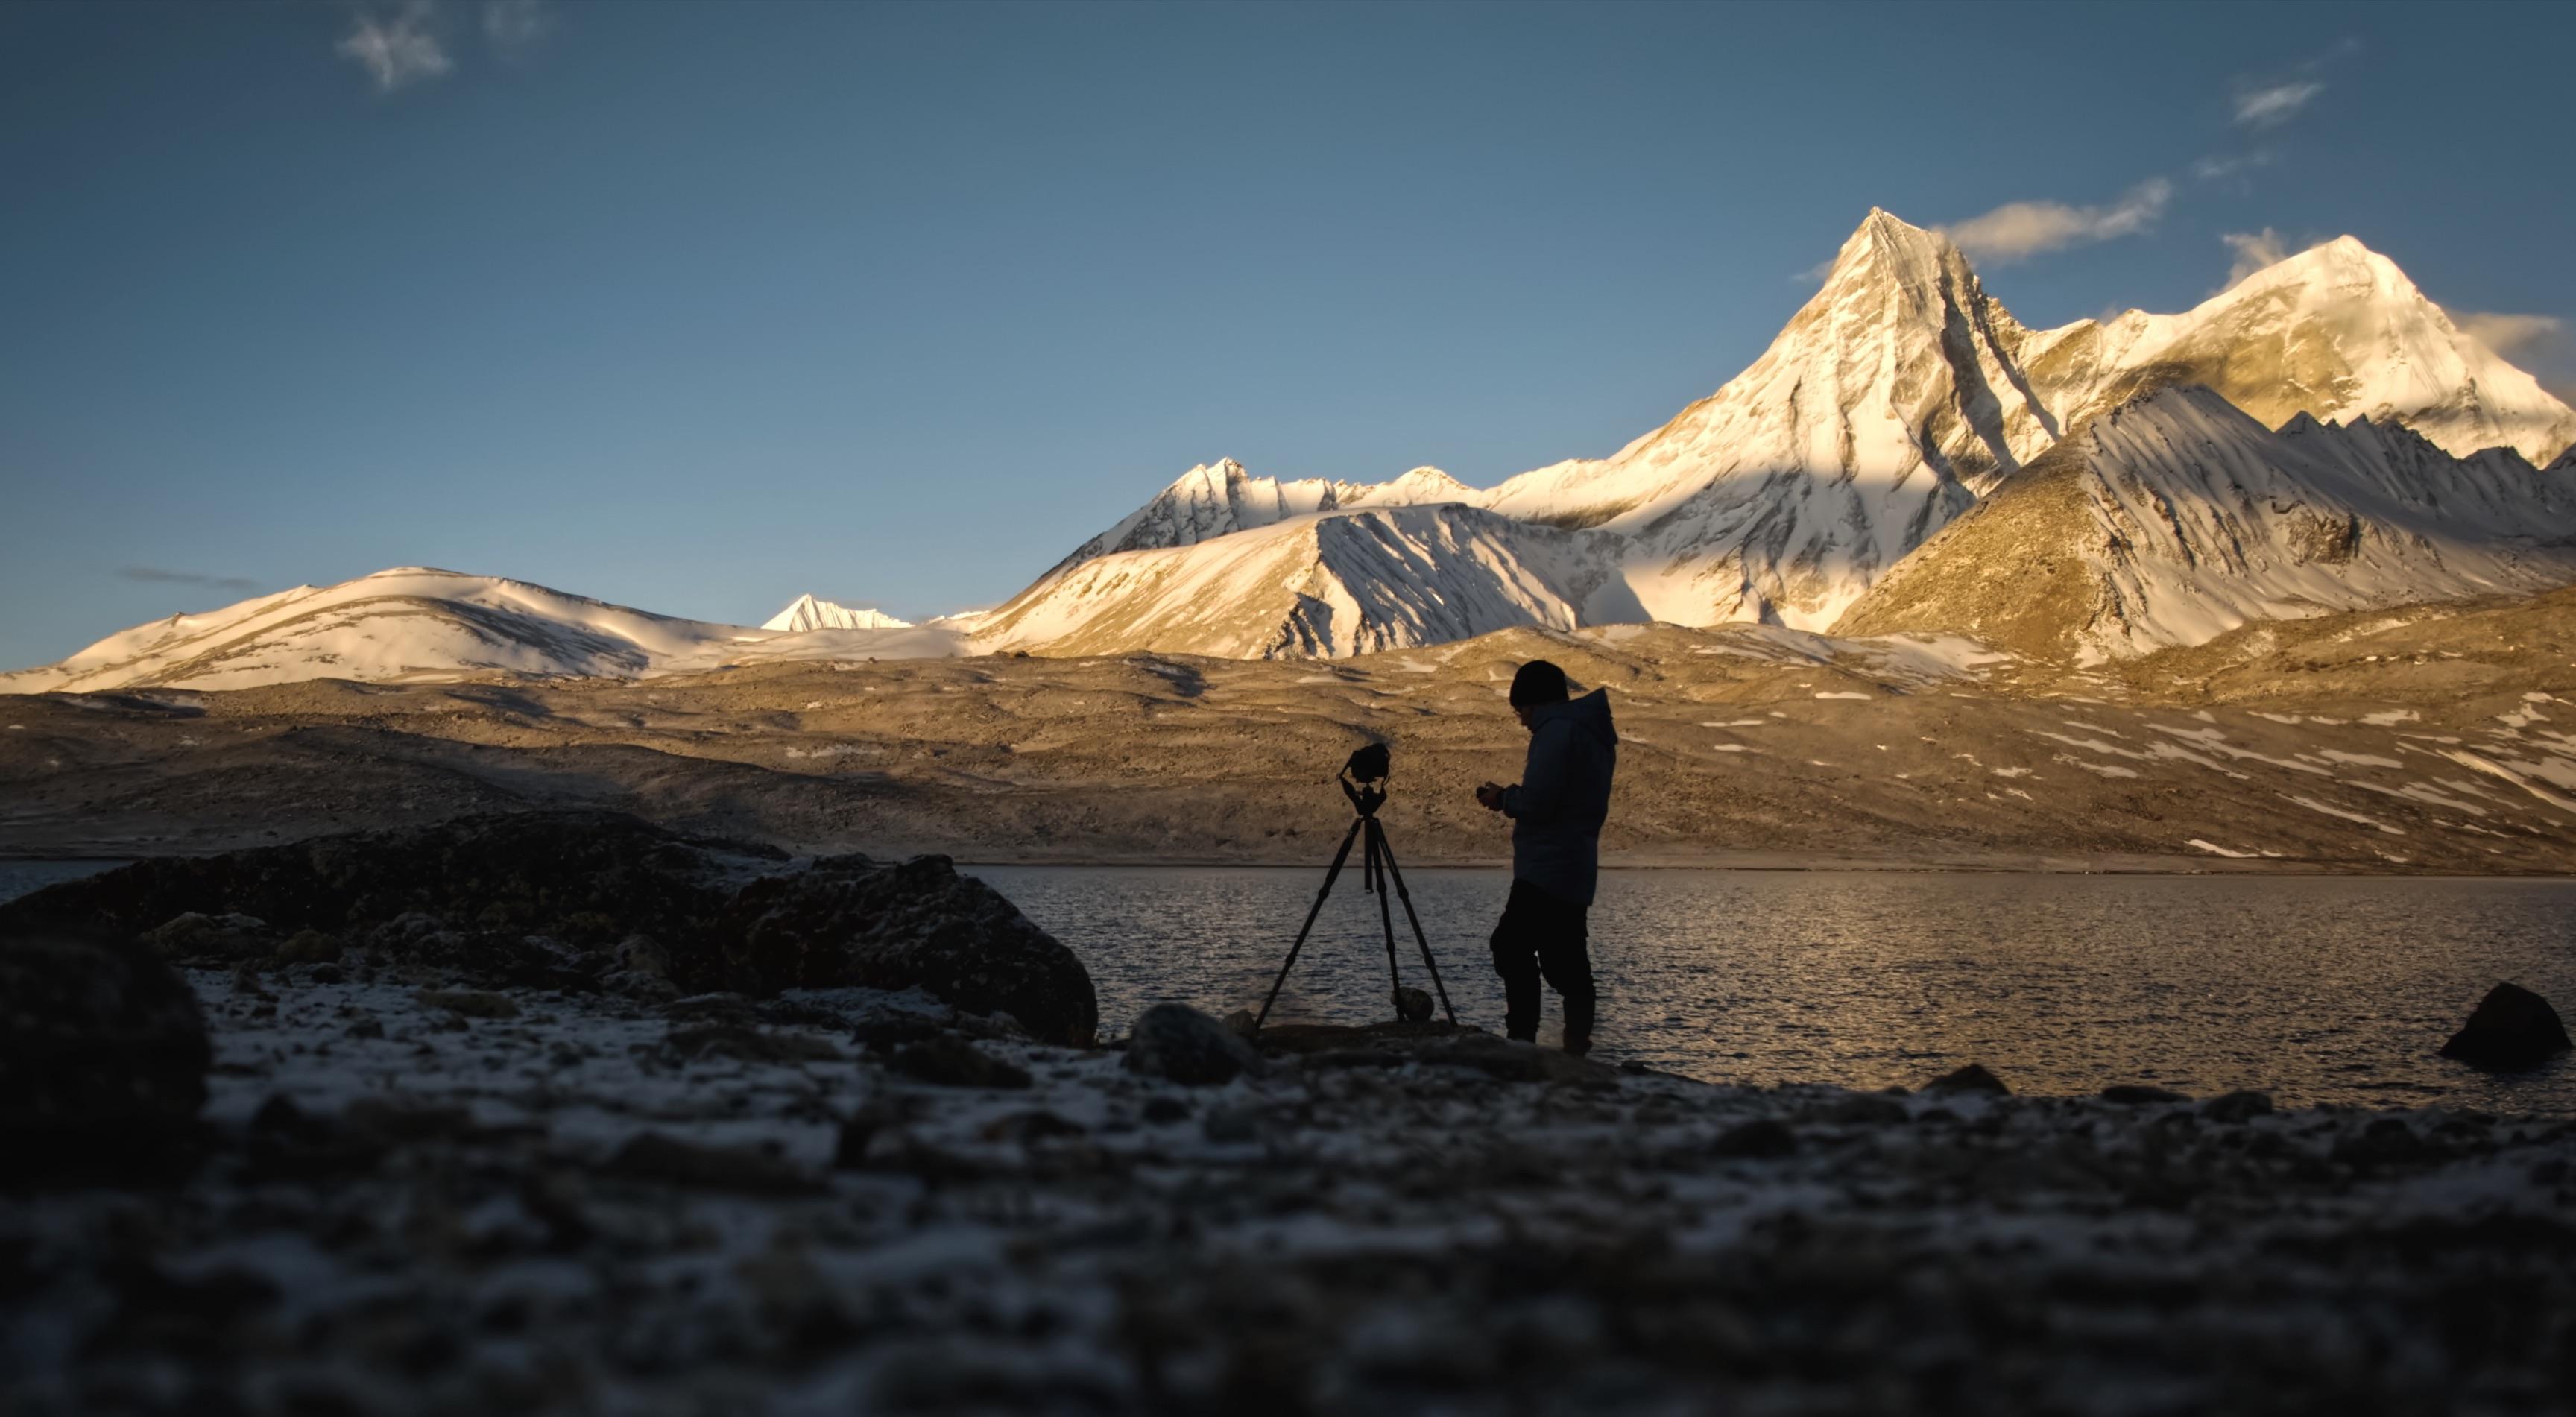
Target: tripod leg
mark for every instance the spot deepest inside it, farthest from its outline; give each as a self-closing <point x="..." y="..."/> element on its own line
<point x="1393" y="873"/>
<point x="1385" y="913"/>
<point x="1330" y="874"/>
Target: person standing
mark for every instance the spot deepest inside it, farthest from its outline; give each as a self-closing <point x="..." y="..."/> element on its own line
<point x="1557" y="809"/>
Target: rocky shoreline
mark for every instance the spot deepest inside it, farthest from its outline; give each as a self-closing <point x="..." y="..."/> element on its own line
<point x="413" y="1200"/>
<point x="400" y="1172"/>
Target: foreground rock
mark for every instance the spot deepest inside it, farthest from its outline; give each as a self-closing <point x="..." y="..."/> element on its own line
<point x="102" y="1055"/>
<point x="585" y="901"/>
<point x="1179" y="1044"/>
<point x="848" y="921"/>
<point x="2511" y="1030"/>
<point x="598" y="1206"/>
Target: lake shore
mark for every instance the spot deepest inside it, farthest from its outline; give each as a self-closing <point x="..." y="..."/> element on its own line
<point x="411" y="1201"/>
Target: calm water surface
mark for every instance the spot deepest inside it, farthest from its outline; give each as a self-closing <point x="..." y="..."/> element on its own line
<point x="2314" y="989"/>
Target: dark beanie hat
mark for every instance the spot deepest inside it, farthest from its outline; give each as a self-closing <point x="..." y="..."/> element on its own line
<point x="1538" y="682"/>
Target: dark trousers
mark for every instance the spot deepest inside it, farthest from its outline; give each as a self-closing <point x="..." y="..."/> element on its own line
<point x="1542" y="937"/>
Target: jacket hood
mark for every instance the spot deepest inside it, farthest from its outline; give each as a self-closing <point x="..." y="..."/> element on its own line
<point x="1589" y="714"/>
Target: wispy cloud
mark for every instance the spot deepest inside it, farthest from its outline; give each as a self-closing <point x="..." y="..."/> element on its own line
<point x="2253" y="251"/>
<point x="160" y="576"/>
<point x="515" y="27"/>
<point x="397" y="47"/>
<point x="2510" y="335"/>
<point x="2270" y="100"/>
<point x="2019" y="229"/>
<point x="2275" y="103"/>
<point x="2216" y="166"/>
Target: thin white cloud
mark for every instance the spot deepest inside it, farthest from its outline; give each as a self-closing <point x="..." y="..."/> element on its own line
<point x="2510" y="335"/>
<point x="514" y="27"/>
<point x="2019" y="229"/>
<point x="398" y="47"/>
<point x="2278" y="97"/>
<point x="2253" y="251"/>
<point x="2216" y="166"/>
<point x="2275" y="103"/>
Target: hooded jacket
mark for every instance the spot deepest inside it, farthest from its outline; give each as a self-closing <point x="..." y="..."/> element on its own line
<point x="1563" y="797"/>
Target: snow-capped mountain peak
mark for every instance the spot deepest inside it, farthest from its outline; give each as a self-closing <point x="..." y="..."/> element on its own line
<point x="2337" y="331"/>
<point x="808" y="613"/>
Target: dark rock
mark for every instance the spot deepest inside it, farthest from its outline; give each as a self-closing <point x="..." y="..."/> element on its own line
<point x="195" y="934"/>
<point x="1163" y="1111"/>
<point x="1762" y="1137"/>
<point x="102" y="1052"/>
<point x="310" y="947"/>
<point x="1413" y="1005"/>
<point x="1031" y="1126"/>
<point x="468" y="1003"/>
<point x="749" y="1045"/>
<point x="858" y="1130"/>
<point x="2237" y="1107"/>
<point x="288" y="1143"/>
<point x="392" y="1119"/>
<point x="1438" y="1046"/>
<point x="1861" y="1109"/>
<point x="592" y="900"/>
<point x="2129" y="1094"/>
<point x="1971" y="1079"/>
<point x="1240" y="1023"/>
<point x="1228" y="1126"/>
<point x="651" y="1156"/>
<point x="1179" y="1044"/>
<point x="2511" y="1030"/>
<point x="848" y="921"/>
<point x="726" y="1008"/>
<point x="587" y="878"/>
<point x="951" y="1061"/>
<point x="2386" y="1141"/>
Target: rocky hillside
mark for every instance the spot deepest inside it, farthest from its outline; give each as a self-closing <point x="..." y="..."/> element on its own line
<point x="2175" y="518"/>
<point x="2423" y="738"/>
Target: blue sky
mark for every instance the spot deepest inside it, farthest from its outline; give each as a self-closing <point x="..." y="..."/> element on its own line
<point x="696" y="307"/>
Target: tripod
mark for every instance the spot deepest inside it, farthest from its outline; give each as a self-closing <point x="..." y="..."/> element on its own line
<point x="1377" y="867"/>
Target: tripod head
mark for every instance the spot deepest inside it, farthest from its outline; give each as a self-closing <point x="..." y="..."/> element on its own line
<point x="1364" y="779"/>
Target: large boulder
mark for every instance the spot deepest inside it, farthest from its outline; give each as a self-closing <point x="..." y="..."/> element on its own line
<point x="561" y="899"/>
<point x="849" y="921"/>
<point x="102" y="1052"/>
<point x="2511" y="1030"/>
<point x="482" y="884"/>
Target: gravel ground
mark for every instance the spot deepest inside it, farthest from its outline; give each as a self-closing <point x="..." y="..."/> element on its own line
<point x="415" y="1200"/>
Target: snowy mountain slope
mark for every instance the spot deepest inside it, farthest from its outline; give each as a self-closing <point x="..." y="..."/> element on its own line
<point x="1212" y="500"/>
<point x="2334" y="332"/>
<point x="415" y="623"/>
<point x="807" y="613"/>
<point x="1324" y="584"/>
<point x="1887" y="405"/>
<point x="1902" y="392"/>
<point x="2177" y="517"/>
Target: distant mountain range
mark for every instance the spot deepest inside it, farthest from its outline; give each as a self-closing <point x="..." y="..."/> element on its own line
<point x="1905" y="456"/>
<point x="417" y="623"/>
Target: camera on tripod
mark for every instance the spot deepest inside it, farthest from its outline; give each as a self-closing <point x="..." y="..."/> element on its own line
<point x="1364" y="781"/>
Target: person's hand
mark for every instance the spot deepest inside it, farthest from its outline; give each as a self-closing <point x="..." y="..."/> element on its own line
<point x="1489" y="797"/>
